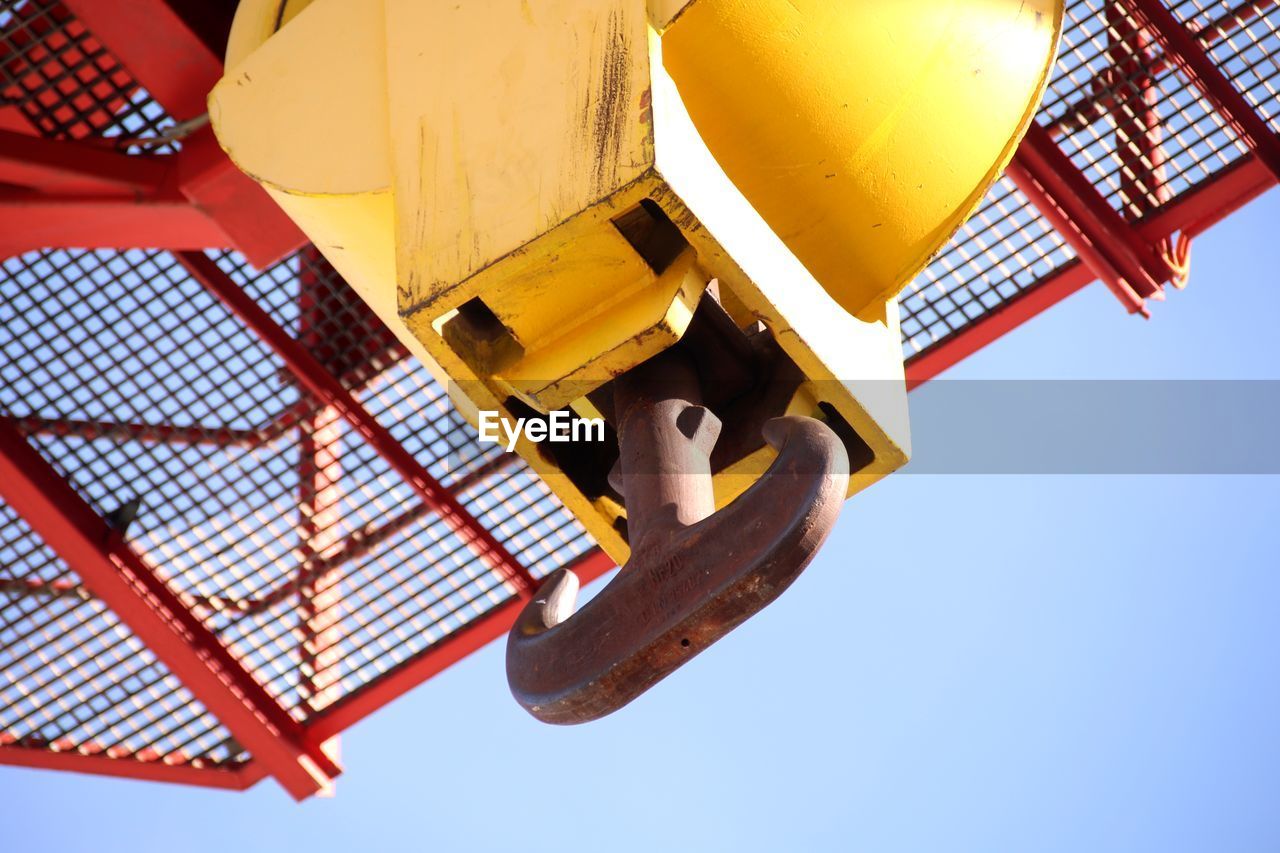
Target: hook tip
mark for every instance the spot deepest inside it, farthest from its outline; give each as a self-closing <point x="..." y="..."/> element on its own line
<point x="553" y="603"/>
<point x="775" y="432"/>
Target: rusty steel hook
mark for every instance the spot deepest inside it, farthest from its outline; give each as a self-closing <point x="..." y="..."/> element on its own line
<point x="694" y="574"/>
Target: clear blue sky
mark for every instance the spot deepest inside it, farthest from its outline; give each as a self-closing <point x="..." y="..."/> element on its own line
<point x="974" y="663"/>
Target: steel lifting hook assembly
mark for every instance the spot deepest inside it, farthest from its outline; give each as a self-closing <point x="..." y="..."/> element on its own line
<point x="694" y="574"/>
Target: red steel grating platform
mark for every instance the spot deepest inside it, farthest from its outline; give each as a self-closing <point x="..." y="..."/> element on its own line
<point x="237" y="517"/>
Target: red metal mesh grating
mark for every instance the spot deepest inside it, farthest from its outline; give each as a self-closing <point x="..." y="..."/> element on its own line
<point x="406" y="399"/>
<point x="414" y="549"/>
<point x="73" y="679"/>
<point x="1243" y="40"/>
<point x="270" y="516"/>
<point x="67" y="84"/>
<point x="1130" y="121"/>
<point x="309" y="300"/>
<point x="1004" y="248"/>
<point x="495" y="486"/>
<point x="127" y="339"/>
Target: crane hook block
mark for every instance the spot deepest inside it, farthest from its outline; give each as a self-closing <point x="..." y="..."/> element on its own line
<point x="539" y="197"/>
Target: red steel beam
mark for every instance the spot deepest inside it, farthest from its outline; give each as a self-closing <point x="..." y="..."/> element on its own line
<point x="1139" y="132"/>
<point x="209" y="776"/>
<point x="12" y="118"/>
<point x="37" y="588"/>
<point x="1185" y="51"/>
<point x="30" y="221"/>
<point x="326" y="388"/>
<point x="475" y="635"/>
<point x="175" y="65"/>
<point x="255" y="224"/>
<point x="141" y="432"/>
<point x="224" y="207"/>
<point x="1190" y="214"/>
<point x="356" y="545"/>
<point x="319" y="526"/>
<point x="319" y="513"/>
<point x="77" y="194"/>
<point x="75" y="166"/>
<point x="997" y="322"/>
<point x="152" y="41"/>
<point x="1102" y="238"/>
<point x="142" y="601"/>
<point x="1197" y="210"/>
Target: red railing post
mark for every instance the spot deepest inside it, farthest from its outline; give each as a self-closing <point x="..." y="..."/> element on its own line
<point x="1116" y="253"/>
<point x="1133" y="109"/>
<point x="319" y="510"/>
<point x="238" y="778"/>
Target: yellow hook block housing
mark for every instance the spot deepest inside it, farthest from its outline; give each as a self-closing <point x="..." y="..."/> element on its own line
<point x="522" y="193"/>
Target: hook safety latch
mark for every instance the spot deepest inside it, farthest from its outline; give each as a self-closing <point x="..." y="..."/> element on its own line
<point x="694" y="574"/>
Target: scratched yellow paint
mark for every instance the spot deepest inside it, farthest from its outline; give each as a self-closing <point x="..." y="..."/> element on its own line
<point x="529" y="120"/>
<point x="864" y="132"/>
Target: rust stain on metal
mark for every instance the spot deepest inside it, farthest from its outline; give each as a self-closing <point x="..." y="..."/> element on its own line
<point x="606" y="121"/>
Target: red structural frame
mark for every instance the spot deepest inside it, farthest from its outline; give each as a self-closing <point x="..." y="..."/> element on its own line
<point x="1133" y="261"/>
<point x="90" y="198"/>
<point x="120" y="577"/>
<point x="75" y="193"/>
